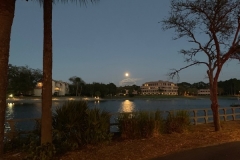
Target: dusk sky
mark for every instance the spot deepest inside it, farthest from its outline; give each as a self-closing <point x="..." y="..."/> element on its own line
<point x="103" y="41"/>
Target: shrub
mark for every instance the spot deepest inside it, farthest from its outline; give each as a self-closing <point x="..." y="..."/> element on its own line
<point x="42" y="152"/>
<point x="158" y="123"/>
<point x="140" y="124"/>
<point x="22" y="139"/>
<point x="127" y="125"/>
<point x="69" y="124"/>
<point x="29" y="142"/>
<point x="75" y="125"/>
<point x="98" y="126"/>
<point x="177" y="121"/>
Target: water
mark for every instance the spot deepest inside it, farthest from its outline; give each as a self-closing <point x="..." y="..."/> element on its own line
<point x="33" y="110"/>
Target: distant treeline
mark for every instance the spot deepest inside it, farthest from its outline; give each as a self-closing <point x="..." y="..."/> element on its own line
<point x="102" y="90"/>
<point x="228" y="87"/>
<point x="22" y="80"/>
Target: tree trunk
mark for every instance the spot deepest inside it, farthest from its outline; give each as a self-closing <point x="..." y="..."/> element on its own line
<point x="46" y="121"/>
<point x="214" y="107"/>
<point x="7" y="8"/>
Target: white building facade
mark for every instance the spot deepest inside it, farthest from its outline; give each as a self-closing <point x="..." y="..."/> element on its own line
<point x="59" y="88"/>
<point x="204" y="92"/>
<point x="159" y="88"/>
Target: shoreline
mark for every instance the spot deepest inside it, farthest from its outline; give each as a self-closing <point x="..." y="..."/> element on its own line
<point x="39" y="99"/>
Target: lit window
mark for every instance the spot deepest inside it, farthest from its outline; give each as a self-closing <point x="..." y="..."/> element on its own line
<point x="39" y="84"/>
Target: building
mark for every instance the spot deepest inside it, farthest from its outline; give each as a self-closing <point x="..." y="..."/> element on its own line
<point x="59" y="88"/>
<point x="159" y="87"/>
<point x="204" y="92"/>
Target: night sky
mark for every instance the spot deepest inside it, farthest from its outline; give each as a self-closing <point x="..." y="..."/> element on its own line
<point x="101" y="42"/>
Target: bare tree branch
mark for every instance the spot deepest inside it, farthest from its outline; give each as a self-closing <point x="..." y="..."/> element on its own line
<point x="175" y="72"/>
<point x="220" y="21"/>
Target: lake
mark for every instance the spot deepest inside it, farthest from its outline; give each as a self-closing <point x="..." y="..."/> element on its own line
<point x="19" y="110"/>
<point x="32" y="109"/>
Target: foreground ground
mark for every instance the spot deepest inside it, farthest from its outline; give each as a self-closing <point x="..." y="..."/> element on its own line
<point x="197" y="136"/>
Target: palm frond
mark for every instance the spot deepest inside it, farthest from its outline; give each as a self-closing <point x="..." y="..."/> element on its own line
<point x="80" y="2"/>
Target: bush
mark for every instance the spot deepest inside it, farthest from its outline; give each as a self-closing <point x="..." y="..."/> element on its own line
<point x="22" y="139"/>
<point x="127" y="125"/>
<point x="140" y="124"/>
<point x="69" y="124"/>
<point x="74" y="125"/>
<point x="177" y="121"/>
<point x="98" y="126"/>
<point x="42" y="152"/>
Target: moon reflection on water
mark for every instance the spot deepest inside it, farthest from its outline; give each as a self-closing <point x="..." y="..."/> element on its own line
<point x="127" y="106"/>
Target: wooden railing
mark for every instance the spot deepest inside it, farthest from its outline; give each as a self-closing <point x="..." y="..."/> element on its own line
<point x="197" y="116"/>
<point x="225" y="114"/>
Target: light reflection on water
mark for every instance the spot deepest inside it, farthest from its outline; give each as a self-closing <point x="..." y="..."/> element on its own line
<point x="33" y="110"/>
<point x="23" y="110"/>
<point x="10" y="110"/>
<point x="127" y="106"/>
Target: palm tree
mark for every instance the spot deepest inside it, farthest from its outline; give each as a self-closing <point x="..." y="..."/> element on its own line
<point x="76" y="82"/>
<point x="46" y="120"/>
<point x="7" y="8"/>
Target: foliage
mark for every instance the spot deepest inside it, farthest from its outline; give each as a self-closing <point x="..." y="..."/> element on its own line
<point x="227" y="87"/>
<point x="98" y="125"/>
<point x="7" y="9"/>
<point x="191" y="89"/>
<point x="131" y="89"/>
<point x="177" y="122"/>
<point x="141" y="124"/>
<point x="104" y="89"/>
<point x="97" y="93"/>
<point x="42" y="152"/>
<point x="230" y="87"/>
<point x="19" y="142"/>
<point x="21" y="139"/>
<point x="76" y="86"/>
<point x="75" y="125"/>
<point x="200" y="85"/>
<point x="29" y="142"/>
<point x="212" y="27"/>
<point x="127" y="125"/>
<point x="69" y="123"/>
<point x="22" y="79"/>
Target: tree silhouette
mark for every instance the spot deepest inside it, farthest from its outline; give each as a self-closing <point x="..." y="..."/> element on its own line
<point x="7" y="8"/>
<point x="77" y="82"/>
<point x="46" y="119"/>
<point x="218" y="23"/>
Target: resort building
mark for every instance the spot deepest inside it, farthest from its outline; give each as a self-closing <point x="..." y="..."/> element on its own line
<point x="204" y="92"/>
<point x="159" y="87"/>
<point x="59" y="88"/>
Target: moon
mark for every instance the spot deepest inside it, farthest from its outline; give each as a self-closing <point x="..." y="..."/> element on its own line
<point x="126" y="74"/>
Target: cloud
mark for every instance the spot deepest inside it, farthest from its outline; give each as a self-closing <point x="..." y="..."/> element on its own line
<point x="129" y="81"/>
